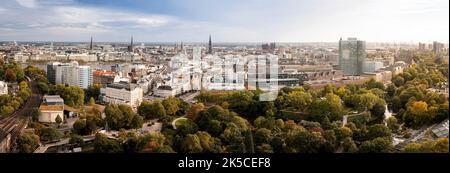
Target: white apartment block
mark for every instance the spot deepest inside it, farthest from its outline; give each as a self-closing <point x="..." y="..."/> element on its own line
<point x="71" y="74"/>
<point x="166" y="91"/>
<point x="83" y="57"/>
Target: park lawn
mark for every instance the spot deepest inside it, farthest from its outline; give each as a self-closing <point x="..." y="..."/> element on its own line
<point x="181" y="122"/>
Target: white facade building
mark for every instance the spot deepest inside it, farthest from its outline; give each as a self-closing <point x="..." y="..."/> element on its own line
<point x="166" y="91"/>
<point x="71" y="74"/>
<point x="380" y="76"/>
<point x="51" y="108"/>
<point x="3" y="88"/>
<point x="83" y="57"/>
<point x="84" y="76"/>
<point x="122" y="93"/>
<point x="373" y="66"/>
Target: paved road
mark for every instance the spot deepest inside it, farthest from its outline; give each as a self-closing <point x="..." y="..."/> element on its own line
<point x="189" y="96"/>
<point x="156" y="127"/>
<point x="174" y="122"/>
<point x="345" y="118"/>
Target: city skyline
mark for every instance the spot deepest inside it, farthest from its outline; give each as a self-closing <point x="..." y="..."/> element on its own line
<point x="230" y="21"/>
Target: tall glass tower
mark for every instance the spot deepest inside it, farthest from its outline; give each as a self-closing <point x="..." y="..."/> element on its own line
<point x="352" y="54"/>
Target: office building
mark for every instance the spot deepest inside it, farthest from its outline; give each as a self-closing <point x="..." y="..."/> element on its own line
<point x="122" y="93"/>
<point x="352" y="54"/>
<point x="373" y="66"/>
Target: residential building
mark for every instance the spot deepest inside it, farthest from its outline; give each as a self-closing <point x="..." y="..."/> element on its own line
<point x="104" y="77"/>
<point x="422" y="46"/>
<point x="70" y="74"/>
<point x="438" y="47"/>
<point x="51" y="71"/>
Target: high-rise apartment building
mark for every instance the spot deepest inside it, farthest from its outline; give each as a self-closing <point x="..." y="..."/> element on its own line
<point x="70" y="74"/>
<point x="352" y="55"/>
<point x="437" y="47"/>
<point x="422" y="46"/>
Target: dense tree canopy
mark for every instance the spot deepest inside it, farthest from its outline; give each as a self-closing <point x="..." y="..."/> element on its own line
<point x="49" y="134"/>
<point x="122" y="116"/>
<point x="438" y="146"/>
<point x="152" y="110"/>
<point x="72" y="95"/>
<point x="27" y="143"/>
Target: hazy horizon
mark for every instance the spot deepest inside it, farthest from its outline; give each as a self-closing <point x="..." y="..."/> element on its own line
<point x="206" y="42"/>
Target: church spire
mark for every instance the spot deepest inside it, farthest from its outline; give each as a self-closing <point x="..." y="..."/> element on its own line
<point x="91" y="46"/>
<point x="131" y="42"/>
<point x="130" y="48"/>
<point x="210" y="45"/>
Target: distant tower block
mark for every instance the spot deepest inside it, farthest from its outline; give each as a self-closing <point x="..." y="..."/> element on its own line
<point x="210" y="51"/>
<point x="176" y="48"/>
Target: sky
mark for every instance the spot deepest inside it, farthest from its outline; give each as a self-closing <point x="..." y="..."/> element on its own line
<point x="225" y="20"/>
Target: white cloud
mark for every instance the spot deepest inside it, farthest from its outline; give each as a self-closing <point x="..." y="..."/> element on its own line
<point x="283" y="20"/>
<point x="57" y="20"/>
<point x="40" y="3"/>
<point x="28" y="3"/>
<point x="98" y="15"/>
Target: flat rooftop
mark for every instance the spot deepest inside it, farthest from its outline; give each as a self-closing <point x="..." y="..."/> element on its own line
<point x="122" y="85"/>
<point x="53" y="99"/>
<point x="51" y="108"/>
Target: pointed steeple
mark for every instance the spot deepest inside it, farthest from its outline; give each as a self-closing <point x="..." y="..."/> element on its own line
<point x="91" y="46"/>
<point x="130" y="48"/>
<point x="131" y="42"/>
<point x="210" y="45"/>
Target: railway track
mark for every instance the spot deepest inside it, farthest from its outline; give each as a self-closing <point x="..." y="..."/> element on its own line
<point x="17" y="121"/>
